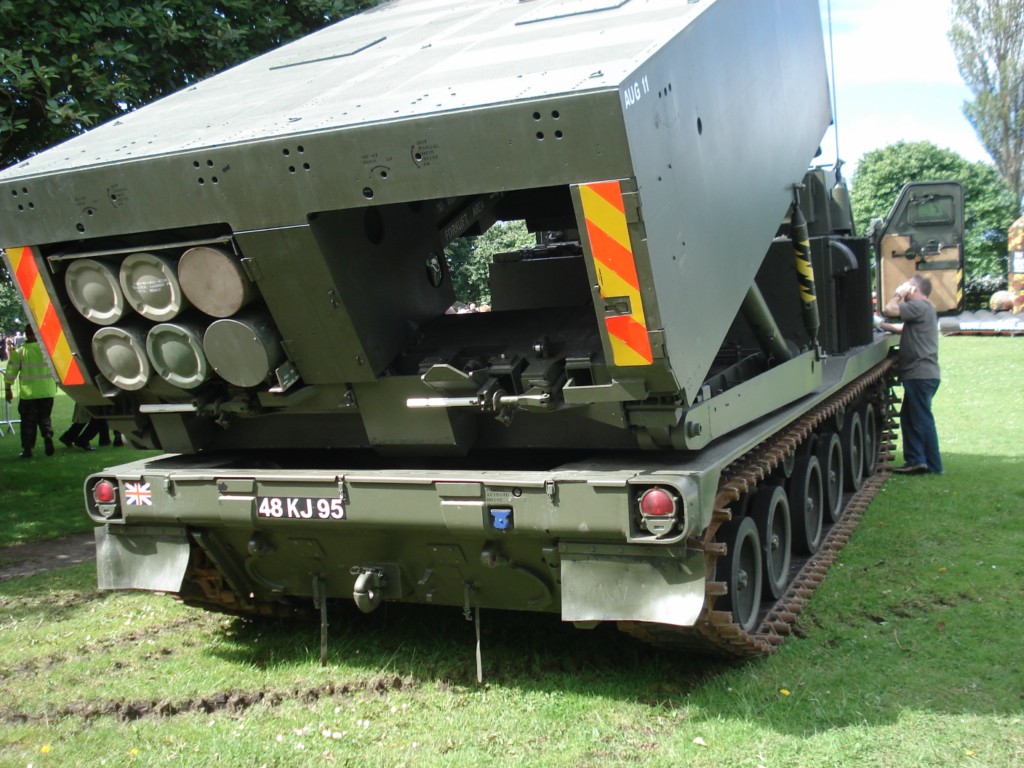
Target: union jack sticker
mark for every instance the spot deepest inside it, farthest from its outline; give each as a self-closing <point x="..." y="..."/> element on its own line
<point x="138" y="494"/>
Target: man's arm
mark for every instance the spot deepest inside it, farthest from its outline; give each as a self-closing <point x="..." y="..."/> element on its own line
<point x="892" y="307"/>
<point x="13" y="369"/>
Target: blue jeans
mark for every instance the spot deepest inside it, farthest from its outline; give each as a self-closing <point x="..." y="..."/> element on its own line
<point x="920" y="439"/>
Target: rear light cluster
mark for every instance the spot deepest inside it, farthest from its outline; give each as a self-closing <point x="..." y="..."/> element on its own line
<point x="659" y="510"/>
<point x="104" y="498"/>
<point x="104" y="492"/>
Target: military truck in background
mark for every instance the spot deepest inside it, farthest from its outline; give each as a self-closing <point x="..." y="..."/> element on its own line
<point x="923" y="234"/>
<point x="671" y="416"/>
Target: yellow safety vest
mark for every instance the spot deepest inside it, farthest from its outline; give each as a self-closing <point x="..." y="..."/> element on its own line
<point x="28" y="365"/>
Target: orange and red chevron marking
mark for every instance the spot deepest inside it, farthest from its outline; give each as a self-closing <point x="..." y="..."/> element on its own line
<point x="51" y="334"/>
<point x="616" y="271"/>
<point x="1016" y="235"/>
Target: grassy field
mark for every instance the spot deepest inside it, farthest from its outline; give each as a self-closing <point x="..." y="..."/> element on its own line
<point x="42" y="496"/>
<point x="909" y="655"/>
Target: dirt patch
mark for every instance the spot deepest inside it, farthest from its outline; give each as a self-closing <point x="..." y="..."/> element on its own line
<point x="234" y="702"/>
<point x="29" y="559"/>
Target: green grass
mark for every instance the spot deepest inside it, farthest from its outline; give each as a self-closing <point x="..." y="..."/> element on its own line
<point x="909" y="654"/>
<point x="42" y="496"/>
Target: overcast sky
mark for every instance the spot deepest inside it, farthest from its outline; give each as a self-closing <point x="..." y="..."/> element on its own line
<point x="896" y="78"/>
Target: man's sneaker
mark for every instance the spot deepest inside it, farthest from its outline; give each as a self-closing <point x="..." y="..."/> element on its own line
<point x="911" y="469"/>
<point x="48" y="445"/>
<point x="26" y="454"/>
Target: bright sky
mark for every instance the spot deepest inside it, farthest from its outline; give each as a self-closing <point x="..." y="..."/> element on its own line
<point x="896" y="79"/>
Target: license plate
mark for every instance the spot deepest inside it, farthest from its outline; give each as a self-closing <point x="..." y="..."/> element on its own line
<point x="299" y="508"/>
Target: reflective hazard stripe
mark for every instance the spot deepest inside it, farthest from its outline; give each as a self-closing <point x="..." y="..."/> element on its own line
<point x="1016" y="235"/>
<point x="615" y="265"/>
<point x="51" y="334"/>
<point x="804" y="270"/>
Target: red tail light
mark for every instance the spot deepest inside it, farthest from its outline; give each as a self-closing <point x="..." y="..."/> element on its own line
<point x="104" y="492"/>
<point x="658" y="503"/>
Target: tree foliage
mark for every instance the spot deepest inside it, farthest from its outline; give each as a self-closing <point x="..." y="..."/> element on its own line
<point x="68" y="64"/>
<point x="469" y="258"/>
<point x="11" y="315"/>
<point x="988" y="40"/>
<point x="990" y="207"/>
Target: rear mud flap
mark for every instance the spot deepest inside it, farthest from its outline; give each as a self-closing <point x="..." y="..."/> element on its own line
<point x="150" y="558"/>
<point x="664" y="585"/>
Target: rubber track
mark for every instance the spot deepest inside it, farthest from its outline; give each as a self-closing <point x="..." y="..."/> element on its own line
<point x="715" y="633"/>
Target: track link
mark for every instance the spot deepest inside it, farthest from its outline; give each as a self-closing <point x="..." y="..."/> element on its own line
<point x="715" y="632"/>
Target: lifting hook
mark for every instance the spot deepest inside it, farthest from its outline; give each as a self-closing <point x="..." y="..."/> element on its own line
<point x="368" y="590"/>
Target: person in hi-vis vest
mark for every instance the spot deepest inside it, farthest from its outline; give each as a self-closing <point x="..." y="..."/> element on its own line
<point x="36" y="390"/>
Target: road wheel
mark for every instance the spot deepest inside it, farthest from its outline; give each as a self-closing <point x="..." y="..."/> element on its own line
<point x="771" y="516"/>
<point x="852" y="438"/>
<point x="830" y="459"/>
<point x="806" y="505"/>
<point x="741" y="569"/>
<point x="869" y="425"/>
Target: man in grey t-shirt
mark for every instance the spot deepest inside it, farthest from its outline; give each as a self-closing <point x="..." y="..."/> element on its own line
<point x="918" y="365"/>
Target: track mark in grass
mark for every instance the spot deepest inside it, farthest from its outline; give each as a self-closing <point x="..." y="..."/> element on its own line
<point x="45" y="664"/>
<point x="233" y="702"/>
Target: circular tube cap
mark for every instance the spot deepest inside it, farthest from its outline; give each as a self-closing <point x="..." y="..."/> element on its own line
<point x="120" y="354"/>
<point x="94" y="289"/>
<point x="176" y="352"/>
<point x="243" y="350"/>
<point x="150" y="283"/>
<point x="214" y="281"/>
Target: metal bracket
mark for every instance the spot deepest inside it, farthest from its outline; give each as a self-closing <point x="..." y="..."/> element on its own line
<point x="320" y="602"/>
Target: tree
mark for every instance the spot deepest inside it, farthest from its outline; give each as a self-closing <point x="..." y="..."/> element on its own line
<point x="989" y="203"/>
<point x="988" y="40"/>
<point x="469" y="258"/>
<point x="66" y="65"/>
<point x="11" y="316"/>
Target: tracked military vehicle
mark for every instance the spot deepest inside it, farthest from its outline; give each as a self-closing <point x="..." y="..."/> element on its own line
<point x="668" y="419"/>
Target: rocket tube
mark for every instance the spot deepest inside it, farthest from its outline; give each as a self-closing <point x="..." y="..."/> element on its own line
<point x="94" y="289"/>
<point x="244" y="349"/>
<point x="176" y="352"/>
<point x="214" y="281"/>
<point x="150" y="283"/>
<point x="120" y="354"/>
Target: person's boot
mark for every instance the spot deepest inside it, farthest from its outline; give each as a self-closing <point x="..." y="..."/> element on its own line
<point x="48" y="445"/>
<point x="72" y="433"/>
<point x="25" y="454"/>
